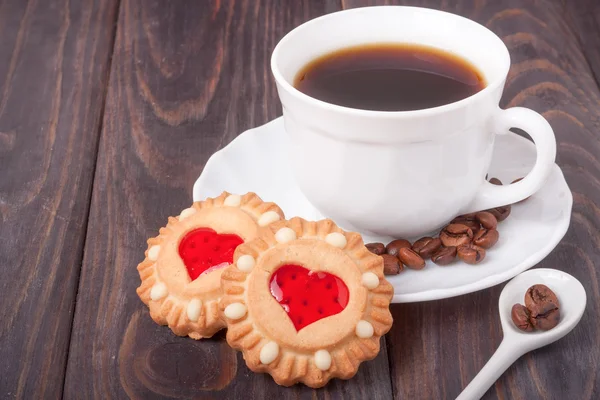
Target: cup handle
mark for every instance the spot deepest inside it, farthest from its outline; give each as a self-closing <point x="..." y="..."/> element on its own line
<point x="489" y="195"/>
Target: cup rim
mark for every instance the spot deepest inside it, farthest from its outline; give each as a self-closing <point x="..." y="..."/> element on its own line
<point x="490" y="87"/>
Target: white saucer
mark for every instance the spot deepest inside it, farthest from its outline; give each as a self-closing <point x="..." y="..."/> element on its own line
<point x="256" y="161"/>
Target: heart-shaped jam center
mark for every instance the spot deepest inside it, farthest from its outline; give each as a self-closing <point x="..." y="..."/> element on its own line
<point x="203" y="250"/>
<point x="308" y="296"/>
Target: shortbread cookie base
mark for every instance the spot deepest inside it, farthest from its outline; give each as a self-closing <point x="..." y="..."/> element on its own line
<point x="191" y="308"/>
<point x="332" y="347"/>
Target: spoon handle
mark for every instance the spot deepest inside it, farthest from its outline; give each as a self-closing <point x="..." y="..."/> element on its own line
<point x="505" y="355"/>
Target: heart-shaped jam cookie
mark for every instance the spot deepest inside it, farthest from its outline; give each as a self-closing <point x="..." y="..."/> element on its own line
<point x="308" y="296"/>
<point x="305" y="302"/>
<point x="203" y="250"/>
<point x="198" y="243"/>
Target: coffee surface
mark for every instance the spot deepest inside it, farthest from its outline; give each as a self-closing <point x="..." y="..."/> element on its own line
<point x="389" y="77"/>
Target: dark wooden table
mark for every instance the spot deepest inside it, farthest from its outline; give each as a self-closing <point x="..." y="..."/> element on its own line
<point x="108" y="112"/>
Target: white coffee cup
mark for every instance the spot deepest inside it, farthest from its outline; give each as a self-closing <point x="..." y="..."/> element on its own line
<point x="407" y="173"/>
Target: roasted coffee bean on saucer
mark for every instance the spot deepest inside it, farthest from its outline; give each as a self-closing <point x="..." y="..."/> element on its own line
<point x="395" y="245"/>
<point x="444" y="255"/>
<point x="486" y="238"/>
<point x="470" y="253"/>
<point x="410" y="258"/>
<point x="468" y="220"/>
<point x="456" y="234"/>
<point x="391" y="265"/>
<point x="495" y="181"/>
<point x="376" y="248"/>
<point x="501" y="213"/>
<point x="426" y="246"/>
<point x="487" y="220"/>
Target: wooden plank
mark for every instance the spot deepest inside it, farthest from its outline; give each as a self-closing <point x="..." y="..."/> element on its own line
<point x="583" y="18"/>
<point x="186" y="79"/>
<point x="54" y="71"/>
<point x="436" y="348"/>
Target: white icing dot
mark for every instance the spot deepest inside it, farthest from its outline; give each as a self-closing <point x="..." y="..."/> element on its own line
<point x="158" y="291"/>
<point x="269" y="353"/>
<point x="153" y="252"/>
<point x="186" y="213"/>
<point x="323" y="360"/>
<point x="193" y="310"/>
<point x="336" y="239"/>
<point x="364" y="329"/>
<point x="235" y="311"/>
<point x="233" y="200"/>
<point x="370" y="280"/>
<point x="268" y="217"/>
<point x="245" y="263"/>
<point x="285" y="235"/>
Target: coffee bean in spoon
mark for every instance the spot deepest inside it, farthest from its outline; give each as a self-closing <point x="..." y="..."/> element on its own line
<point x="495" y="181"/>
<point x="456" y="234"/>
<point x="470" y="253"/>
<point x="426" y="246"/>
<point x="521" y="318"/>
<point x="487" y="220"/>
<point x="376" y="248"/>
<point x="545" y="317"/>
<point x="394" y="246"/>
<point x="410" y="258"/>
<point x="444" y="256"/>
<point x="391" y="265"/>
<point x="486" y="238"/>
<point x="540" y="294"/>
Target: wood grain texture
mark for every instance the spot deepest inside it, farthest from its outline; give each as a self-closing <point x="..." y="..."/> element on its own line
<point x="53" y="76"/>
<point x="583" y="17"/>
<point x="186" y="79"/>
<point x="449" y="341"/>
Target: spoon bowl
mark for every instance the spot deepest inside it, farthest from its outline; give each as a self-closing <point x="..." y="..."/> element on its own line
<point x="572" y="298"/>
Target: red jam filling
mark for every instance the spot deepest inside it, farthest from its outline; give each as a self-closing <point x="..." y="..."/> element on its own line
<point x="308" y="296"/>
<point x="203" y="250"/>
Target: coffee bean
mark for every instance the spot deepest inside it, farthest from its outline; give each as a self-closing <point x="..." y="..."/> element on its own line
<point x="444" y="255"/>
<point x="376" y="248"/>
<point x="470" y="253"/>
<point x="496" y="181"/>
<point x="545" y="317"/>
<point x="455" y="235"/>
<point x="410" y="258"/>
<point x="426" y="246"/>
<point x="467" y="216"/>
<point x="395" y="245"/>
<point x="487" y="220"/>
<point x="486" y="238"/>
<point x="468" y="220"/>
<point x="501" y="213"/>
<point x="391" y="265"/>
<point x="520" y="317"/>
<point x="539" y="294"/>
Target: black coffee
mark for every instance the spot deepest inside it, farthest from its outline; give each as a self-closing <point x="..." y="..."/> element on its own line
<point x="389" y="77"/>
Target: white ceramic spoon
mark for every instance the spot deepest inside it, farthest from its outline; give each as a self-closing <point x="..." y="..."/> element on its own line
<point x="572" y="298"/>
